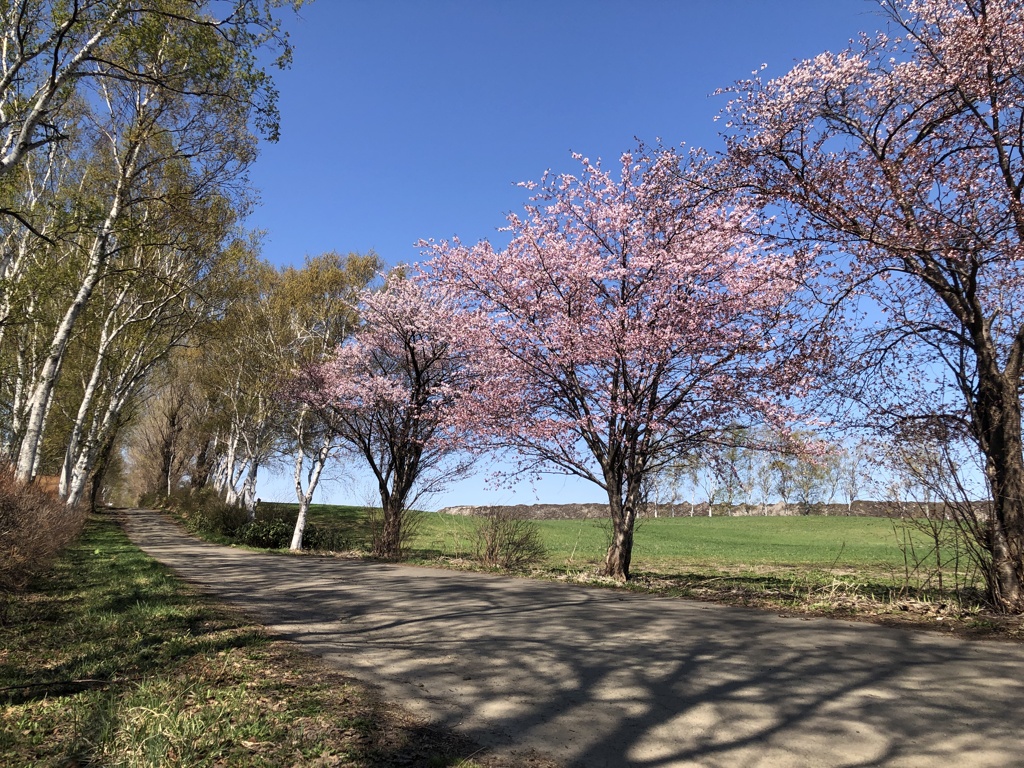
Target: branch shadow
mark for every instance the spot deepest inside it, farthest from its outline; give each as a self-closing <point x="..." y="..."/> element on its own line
<point x="601" y="678"/>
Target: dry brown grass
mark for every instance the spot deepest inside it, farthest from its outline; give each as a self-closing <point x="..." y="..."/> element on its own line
<point x="34" y="527"/>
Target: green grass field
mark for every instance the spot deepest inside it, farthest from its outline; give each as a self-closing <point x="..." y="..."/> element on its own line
<point x="866" y="545"/>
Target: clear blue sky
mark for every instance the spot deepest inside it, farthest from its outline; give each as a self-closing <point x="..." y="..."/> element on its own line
<point x="410" y="119"/>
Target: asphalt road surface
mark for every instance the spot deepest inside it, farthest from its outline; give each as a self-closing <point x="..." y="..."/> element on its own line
<point x="597" y="677"/>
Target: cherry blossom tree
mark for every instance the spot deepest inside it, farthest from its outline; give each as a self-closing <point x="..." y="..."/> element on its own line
<point x="389" y="391"/>
<point x="628" y="321"/>
<point x="902" y="158"/>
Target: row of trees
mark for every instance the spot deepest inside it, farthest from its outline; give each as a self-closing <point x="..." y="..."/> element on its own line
<point x="126" y="129"/>
<point x="859" y="243"/>
<point x="750" y="474"/>
<point x="217" y="414"/>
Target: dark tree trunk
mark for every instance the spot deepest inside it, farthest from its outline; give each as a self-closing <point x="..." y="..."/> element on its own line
<point x="201" y="472"/>
<point x="169" y="438"/>
<point x="998" y="428"/>
<point x="623" y="508"/>
<point x="388" y="542"/>
<point x="100" y="471"/>
<point x="404" y="469"/>
<point x="620" y="551"/>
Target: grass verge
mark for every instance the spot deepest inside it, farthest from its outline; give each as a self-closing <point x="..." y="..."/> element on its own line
<point x="838" y="567"/>
<point x="857" y="568"/>
<point x="110" y="660"/>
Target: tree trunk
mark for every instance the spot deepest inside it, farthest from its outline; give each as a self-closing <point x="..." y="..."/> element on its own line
<point x="99" y="472"/>
<point x="998" y="423"/>
<point x="224" y="477"/>
<point x="300" y="523"/>
<point x="620" y="550"/>
<point x="388" y="544"/>
<point x="163" y="483"/>
<point x="249" y="487"/>
<point x="42" y="393"/>
<point x="100" y="436"/>
<point x="201" y="471"/>
<point x="305" y="497"/>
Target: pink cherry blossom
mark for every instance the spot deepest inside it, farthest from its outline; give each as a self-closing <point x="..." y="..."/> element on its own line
<point x="389" y="392"/>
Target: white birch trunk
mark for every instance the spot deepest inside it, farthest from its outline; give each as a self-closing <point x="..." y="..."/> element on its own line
<point x="85" y="407"/>
<point x="223" y="481"/>
<point x="80" y="456"/>
<point x="218" y="474"/>
<point x="89" y="450"/>
<point x="249" y="487"/>
<point x="231" y="491"/>
<point x="42" y="393"/>
<point x="24" y="355"/>
<point x="305" y="496"/>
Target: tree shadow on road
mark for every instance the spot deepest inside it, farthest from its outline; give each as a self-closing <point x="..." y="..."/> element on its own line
<point x="600" y="678"/>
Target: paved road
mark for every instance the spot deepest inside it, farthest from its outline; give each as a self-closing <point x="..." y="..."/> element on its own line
<point x="602" y="678"/>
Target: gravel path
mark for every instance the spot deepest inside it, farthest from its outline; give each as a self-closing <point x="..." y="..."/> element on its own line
<point x="601" y="678"/>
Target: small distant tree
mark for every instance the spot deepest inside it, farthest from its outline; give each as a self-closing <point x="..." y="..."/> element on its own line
<point x="831" y="475"/>
<point x="808" y="484"/>
<point x="783" y="469"/>
<point x="673" y="484"/>
<point x="764" y="478"/>
<point x="853" y="462"/>
<point x="734" y="466"/>
<point x="710" y="481"/>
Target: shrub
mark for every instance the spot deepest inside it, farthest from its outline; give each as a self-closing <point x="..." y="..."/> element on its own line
<point x="505" y="541"/>
<point x="203" y="511"/>
<point x="34" y="527"/>
<point x="324" y="539"/>
<point x="152" y="500"/>
<point x="270" y="510"/>
<point x="267" y="534"/>
<point x="276" y="533"/>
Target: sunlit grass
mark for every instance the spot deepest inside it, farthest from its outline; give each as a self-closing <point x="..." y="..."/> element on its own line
<point x="666" y="544"/>
<point x="838" y="565"/>
<point x="110" y="660"/>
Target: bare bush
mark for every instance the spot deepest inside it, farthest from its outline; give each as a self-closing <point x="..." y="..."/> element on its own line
<point x="34" y="527"/>
<point x="505" y="541"/>
<point x="391" y="535"/>
<point x="943" y="521"/>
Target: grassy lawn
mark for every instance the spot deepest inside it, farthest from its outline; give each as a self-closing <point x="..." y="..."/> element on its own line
<point x="662" y="542"/>
<point x="869" y="546"/>
<point x="667" y="544"/>
<point x="112" y="661"/>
